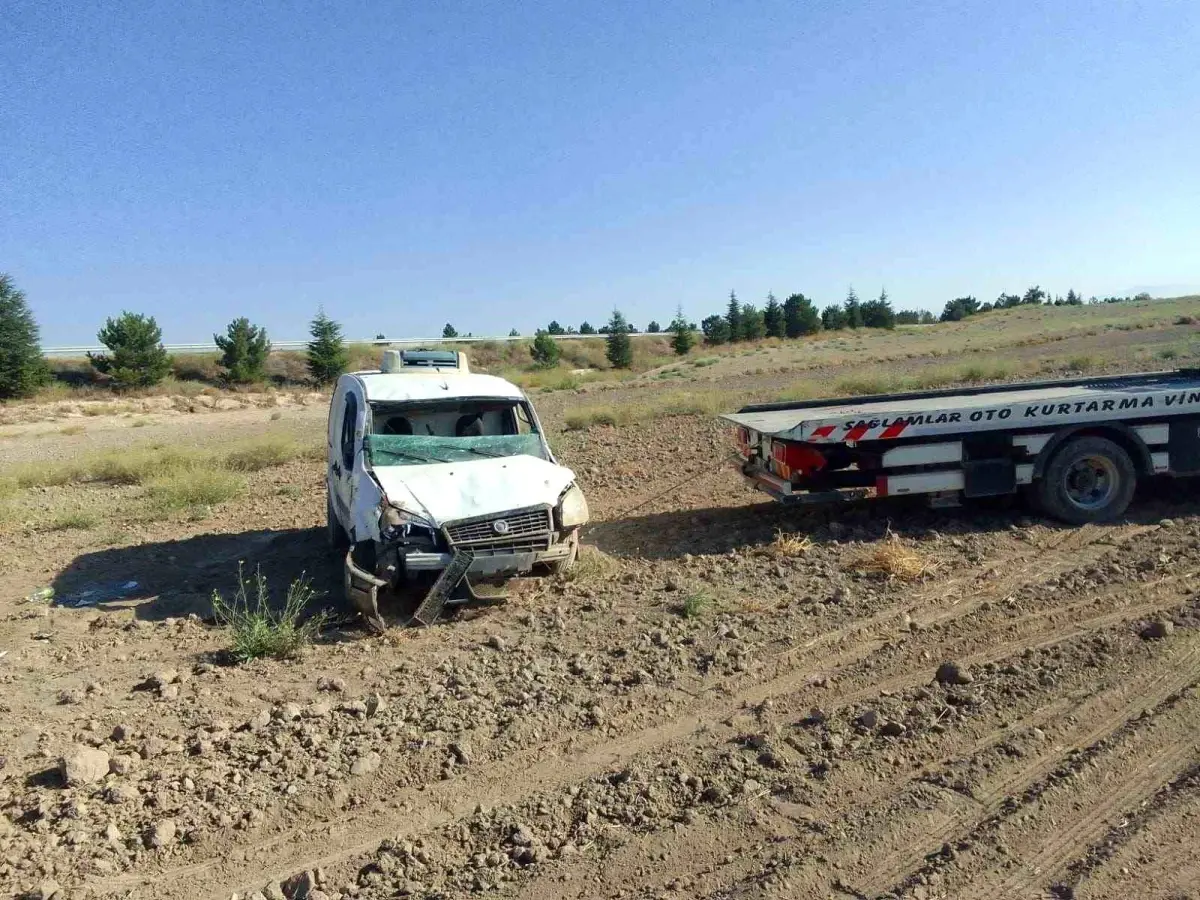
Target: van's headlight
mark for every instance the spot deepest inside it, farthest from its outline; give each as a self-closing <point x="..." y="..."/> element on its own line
<point x="395" y="524"/>
<point x="572" y="508"/>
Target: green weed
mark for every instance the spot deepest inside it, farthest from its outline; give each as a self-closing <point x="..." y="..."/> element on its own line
<point x="256" y="629"/>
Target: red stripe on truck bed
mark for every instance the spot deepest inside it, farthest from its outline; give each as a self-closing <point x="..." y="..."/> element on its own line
<point x="893" y="430"/>
<point x="823" y="432"/>
<point x="856" y="432"/>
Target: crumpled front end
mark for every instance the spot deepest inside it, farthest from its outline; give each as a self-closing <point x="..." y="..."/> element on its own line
<point x="492" y="546"/>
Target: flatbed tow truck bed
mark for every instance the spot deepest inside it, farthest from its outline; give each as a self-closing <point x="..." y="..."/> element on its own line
<point x="1080" y="444"/>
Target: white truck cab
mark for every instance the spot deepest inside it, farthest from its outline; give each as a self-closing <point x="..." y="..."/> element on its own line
<point x="427" y="460"/>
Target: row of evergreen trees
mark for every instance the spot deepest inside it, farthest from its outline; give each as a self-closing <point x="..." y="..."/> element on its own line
<point x="136" y="356"/>
<point x="798" y="316"/>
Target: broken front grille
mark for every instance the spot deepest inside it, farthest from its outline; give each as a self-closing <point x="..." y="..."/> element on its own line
<point x="518" y="528"/>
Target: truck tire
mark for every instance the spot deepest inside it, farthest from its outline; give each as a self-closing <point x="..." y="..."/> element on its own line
<point x="1089" y="479"/>
<point x="338" y="539"/>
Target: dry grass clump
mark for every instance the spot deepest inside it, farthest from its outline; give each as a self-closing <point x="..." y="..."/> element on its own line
<point x="894" y="559"/>
<point x="193" y="489"/>
<point x="75" y="520"/>
<point x="787" y="546"/>
<point x="675" y="403"/>
<point x="263" y="453"/>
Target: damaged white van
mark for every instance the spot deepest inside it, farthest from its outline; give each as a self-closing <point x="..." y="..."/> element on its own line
<point x="431" y="464"/>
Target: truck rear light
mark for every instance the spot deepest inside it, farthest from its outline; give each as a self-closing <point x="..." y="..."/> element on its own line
<point x="789" y="459"/>
<point x="743" y="441"/>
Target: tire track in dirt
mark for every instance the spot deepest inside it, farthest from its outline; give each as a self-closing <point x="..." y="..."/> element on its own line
<point x="1157" y="860"/>
<point x="995" y="580"/>
<point x="1126" y="783"/>
<point x="1135" y="699"/>
<point x="697" y="854"/>
<point x="512" y="777"/>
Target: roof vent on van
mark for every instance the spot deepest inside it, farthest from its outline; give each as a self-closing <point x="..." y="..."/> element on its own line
<point x="397" y="361"/>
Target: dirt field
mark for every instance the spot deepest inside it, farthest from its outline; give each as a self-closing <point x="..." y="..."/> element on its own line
<point x="723" y="701"/>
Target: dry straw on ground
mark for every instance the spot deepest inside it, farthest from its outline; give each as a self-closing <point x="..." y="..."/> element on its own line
<point x="893" y="558"/>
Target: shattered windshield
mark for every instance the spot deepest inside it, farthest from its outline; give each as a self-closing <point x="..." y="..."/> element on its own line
<point x="406" y="434"/>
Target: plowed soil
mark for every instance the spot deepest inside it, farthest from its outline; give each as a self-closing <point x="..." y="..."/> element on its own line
<point x="722" y="701"/>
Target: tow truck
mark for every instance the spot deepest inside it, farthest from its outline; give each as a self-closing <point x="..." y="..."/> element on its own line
<point x="1076" y="447"/>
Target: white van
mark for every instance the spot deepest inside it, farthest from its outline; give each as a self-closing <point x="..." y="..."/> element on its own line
<point x="427" y="460"/>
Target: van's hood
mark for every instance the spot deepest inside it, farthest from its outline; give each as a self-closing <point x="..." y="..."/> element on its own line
<point x="445" y="492"/>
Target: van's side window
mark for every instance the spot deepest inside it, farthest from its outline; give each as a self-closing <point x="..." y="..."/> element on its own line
<point x="348" y="419"/>
<point x="524" y="423"/>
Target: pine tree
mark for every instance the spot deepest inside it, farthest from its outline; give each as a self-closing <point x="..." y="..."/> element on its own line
<point x="753" y="328"/>
<point x="653" y="327"/>
<point x="683" y="336"/>
<point x="716" y="330"/>
<point x="833" y="318"/>
<point x="587" y="328"/>
<point x="22" y="368"/>
<point x="879" y="313"/>
<point x="734" y="318"/>
<point x="449" y="331"/>
<point x="244" y="348"/>
<point x="619" y="348"/>
<point x="136" y="356"/>
<point x="512" y="332"/>
<point x="545" y="351"/>
<point x="800" y="317"/>
<point x="327" y="354"/>
<point x="555" y="328"/>
<point x="853" y="307"/>
<point x="773" y="318"/>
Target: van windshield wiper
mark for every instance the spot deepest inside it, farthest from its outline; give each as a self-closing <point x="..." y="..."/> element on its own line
<point x="474" y="450"/>
<point x="416" y="456"/>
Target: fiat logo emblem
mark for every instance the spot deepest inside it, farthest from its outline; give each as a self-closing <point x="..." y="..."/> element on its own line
<point x="500" y="526"/>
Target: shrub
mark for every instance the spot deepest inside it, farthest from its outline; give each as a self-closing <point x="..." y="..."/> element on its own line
<point x="619" y="348"/>
<point x="256" y="629"/>
<point x="244" y="349"/>
<point x="327" y="354"/>
<point x="22" y="369"/>
<point x="136" y="356"/>
<point x="545" y="351"/>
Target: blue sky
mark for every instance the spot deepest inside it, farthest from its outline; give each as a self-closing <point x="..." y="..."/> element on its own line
<point x="499" y="164"/>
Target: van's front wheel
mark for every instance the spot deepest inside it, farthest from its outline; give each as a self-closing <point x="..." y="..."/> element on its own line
<point x="1089" y="479"/>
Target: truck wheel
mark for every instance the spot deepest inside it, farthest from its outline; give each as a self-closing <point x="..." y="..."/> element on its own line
<point x="1089" y="479"/>
<point x="338" y="539"/>
<point x="565" y="564"/>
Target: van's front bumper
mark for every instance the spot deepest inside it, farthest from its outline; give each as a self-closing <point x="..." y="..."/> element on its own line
<point x="490" y="565"/>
